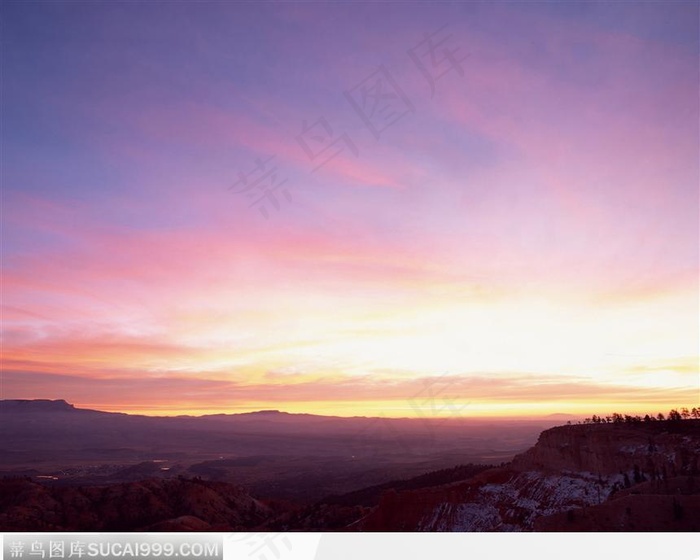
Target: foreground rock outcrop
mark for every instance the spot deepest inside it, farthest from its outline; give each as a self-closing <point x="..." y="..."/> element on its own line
<point x="661" y="505"/>
<point x="149" y="505"/>
<point x="578" y="477"/>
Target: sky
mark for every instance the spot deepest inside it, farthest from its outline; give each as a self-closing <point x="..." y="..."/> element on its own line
<point x="380" y="209"/>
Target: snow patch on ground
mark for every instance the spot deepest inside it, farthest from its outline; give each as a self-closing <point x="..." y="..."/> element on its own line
<point x="467" y="517"/>
<point x="634" y="449"/>
<point x="515" y="504"/>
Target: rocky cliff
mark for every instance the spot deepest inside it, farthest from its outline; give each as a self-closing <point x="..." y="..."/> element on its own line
<point x="570" y="474"/>
<point x="613" y="448"/>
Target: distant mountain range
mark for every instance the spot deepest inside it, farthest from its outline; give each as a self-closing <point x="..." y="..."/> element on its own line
<point x="40" y="432"/>
<point x="275" y="454"/>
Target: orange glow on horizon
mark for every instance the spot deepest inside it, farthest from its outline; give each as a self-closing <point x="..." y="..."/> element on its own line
<point x="517" y="237"/>
<point x="455" y="411"/>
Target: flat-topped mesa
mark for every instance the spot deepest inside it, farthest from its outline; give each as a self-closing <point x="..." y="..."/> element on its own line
<point x="35" y="405"/>
<point x="612" y="448"/>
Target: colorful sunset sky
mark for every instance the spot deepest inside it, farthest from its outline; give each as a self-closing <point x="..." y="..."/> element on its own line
<point x="352" y="208"/>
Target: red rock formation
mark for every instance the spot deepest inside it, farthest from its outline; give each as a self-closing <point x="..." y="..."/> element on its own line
<point x="151" y="504"/>
<point x="571" y="468"/>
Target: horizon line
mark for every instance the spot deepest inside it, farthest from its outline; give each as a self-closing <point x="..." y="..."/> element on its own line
<point x="200" y="413"/>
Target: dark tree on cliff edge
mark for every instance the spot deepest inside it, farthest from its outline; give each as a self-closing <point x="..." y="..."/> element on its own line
<point x="674" y="415"/>
<point x="617" y="418"/>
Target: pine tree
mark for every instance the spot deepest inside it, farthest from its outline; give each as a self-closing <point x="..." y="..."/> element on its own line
<point x="674" y="415"/>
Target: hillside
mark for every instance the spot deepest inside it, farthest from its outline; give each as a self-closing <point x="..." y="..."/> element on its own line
<point x="579" y="477"/>
<point x="326" y="475"/>
<point x="149" y="505"/>
<point x="275" y="455"/>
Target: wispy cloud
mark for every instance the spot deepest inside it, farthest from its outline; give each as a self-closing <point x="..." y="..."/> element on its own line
<point x="534" y="217"/>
